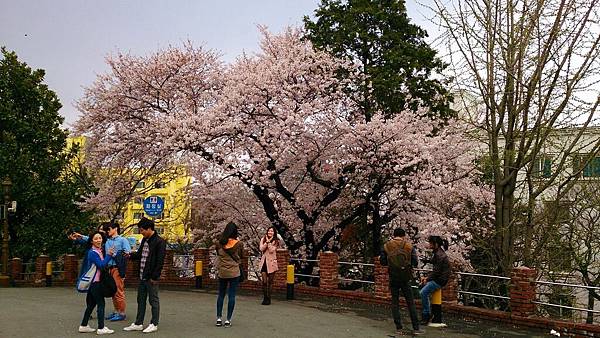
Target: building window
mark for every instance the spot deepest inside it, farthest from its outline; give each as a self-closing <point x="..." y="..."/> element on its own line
<point x="159" y="185"/>
<point x="591" y="168"/>
<point x="140" y="185"/>
<point x="138" y="215"/>
<point x="542" y="167"/>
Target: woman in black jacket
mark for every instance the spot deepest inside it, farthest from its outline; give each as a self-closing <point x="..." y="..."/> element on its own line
<point x="438" y="278"/>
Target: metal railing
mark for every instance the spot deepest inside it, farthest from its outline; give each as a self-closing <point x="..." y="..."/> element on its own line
<point x="356" y="275"/>
<point x="571" y="298"/>
<point x="58" y="270"/>
<point x="28" y="271"/>
<point x="183" y="266"/>
<point x="481" y="294"/>
<point x="254" y="273"/>
<point x="300" y="260"/>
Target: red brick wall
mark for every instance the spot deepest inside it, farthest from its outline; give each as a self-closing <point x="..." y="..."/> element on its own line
<point x="522" y="291"/>
<point x="70" y="269"/>
<point x="202" y="254"/>
<point x="382" y="281"/>
<point x="283" y="259"/>
<point x="328" y="270"/>
<point x="40" y="270"/>
<point x="16" y="267"/>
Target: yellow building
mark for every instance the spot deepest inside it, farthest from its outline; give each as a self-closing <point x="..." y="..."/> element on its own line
<point x="174" y="222"/>
<point x="78" y="141"/>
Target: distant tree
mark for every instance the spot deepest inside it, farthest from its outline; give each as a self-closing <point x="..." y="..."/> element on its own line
<point x="32" y="149"/>
<point x="393" y="70"/>
<point x="534" y="67"/>
<point x="398" y="67"/>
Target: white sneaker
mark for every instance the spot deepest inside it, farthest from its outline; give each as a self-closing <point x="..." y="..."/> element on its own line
<point x="150" y="328"/>
<point x="104" y="330"/>
<point x="86" y="329"/>
<point x="134" y="327"/>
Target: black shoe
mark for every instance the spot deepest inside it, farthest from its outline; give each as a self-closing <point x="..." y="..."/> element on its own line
<point x="425" y="320"/>
<point x="264" y="302"/>
<point x="268" y="301"/>
<point x="219" y="322"/>
<point x="227" y="323"/>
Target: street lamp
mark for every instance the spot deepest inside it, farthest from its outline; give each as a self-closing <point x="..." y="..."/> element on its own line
<point x="6" y="187"/>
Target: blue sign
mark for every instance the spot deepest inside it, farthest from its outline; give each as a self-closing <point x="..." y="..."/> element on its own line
<point x="154" y="205"/>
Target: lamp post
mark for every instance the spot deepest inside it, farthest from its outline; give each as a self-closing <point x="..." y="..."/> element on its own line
<point x="6" y="187"/>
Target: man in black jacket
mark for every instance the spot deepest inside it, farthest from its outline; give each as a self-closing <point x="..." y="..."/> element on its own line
<point x="151" y="254"/>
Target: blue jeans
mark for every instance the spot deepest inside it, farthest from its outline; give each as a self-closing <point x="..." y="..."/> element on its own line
<point x="233" y="283"/>
<point x="425" y="292"/>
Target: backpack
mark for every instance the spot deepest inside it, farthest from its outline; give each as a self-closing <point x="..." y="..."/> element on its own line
<point x="399" y="260"/>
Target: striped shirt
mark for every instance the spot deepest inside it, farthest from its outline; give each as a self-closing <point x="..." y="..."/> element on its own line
<point x="145" y="252"/>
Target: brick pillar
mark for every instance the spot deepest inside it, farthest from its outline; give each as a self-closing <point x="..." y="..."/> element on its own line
<point x="70" y="268"/>
<point x="283" y="259"/>
<point x="202" y="254"/>
<point x="382" y="280"/>
<point x="16" y="267"/>
<point x="168" y="273"/>
<point x="522" y="291"/>
<point x="450" y="291"/>
<point x="40" y="269"/>
<point x="328" y="270"/>
<point x="132" y="275"/>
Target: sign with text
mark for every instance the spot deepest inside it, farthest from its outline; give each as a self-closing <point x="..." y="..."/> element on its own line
<point x="154" y="205"/>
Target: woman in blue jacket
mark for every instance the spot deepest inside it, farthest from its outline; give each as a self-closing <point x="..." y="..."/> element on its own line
<point x="95" y="296"/>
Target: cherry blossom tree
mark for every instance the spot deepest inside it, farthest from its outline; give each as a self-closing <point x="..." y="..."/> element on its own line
<point x="274" y="139"/>
<point x="125" y="110"/>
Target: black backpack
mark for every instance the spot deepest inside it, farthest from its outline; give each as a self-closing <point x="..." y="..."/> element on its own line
<point x="399" y="260"/>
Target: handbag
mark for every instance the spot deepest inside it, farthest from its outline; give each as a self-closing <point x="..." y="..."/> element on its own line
<point x="85" y="280"/>
<point x="107" y="283"/>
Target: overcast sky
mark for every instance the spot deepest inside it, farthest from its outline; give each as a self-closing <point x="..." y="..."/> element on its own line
<point x="70" y="38"/>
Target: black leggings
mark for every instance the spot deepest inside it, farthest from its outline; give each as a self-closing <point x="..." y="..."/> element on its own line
<point x="94" y="298"/>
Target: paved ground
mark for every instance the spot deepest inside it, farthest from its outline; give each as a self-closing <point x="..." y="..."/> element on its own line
<point x="56" y="312"/>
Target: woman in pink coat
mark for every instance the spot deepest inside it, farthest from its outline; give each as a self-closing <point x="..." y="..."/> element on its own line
<point x="268" y="262"/>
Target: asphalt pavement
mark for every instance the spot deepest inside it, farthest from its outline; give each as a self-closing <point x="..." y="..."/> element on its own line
<point x="57" y="312"/>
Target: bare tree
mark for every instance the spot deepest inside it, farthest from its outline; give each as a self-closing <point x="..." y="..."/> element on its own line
<point x="534" y="67"/>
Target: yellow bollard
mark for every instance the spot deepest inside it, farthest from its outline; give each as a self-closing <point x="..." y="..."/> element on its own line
<point x="49" y="273"/>
<point x="198" y="274"/>
<point x="290" y="282"/>
<point x="436" y="309"/>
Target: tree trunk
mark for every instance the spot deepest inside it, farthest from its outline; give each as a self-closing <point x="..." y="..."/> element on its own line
<point x="590" y="315"/>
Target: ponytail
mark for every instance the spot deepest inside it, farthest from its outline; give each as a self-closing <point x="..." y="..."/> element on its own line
<point x="437" y="240"/>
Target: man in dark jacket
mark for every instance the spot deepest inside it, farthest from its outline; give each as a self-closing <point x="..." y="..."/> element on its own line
<point x="400" y="257"/>
<point x="151" y="254"/>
